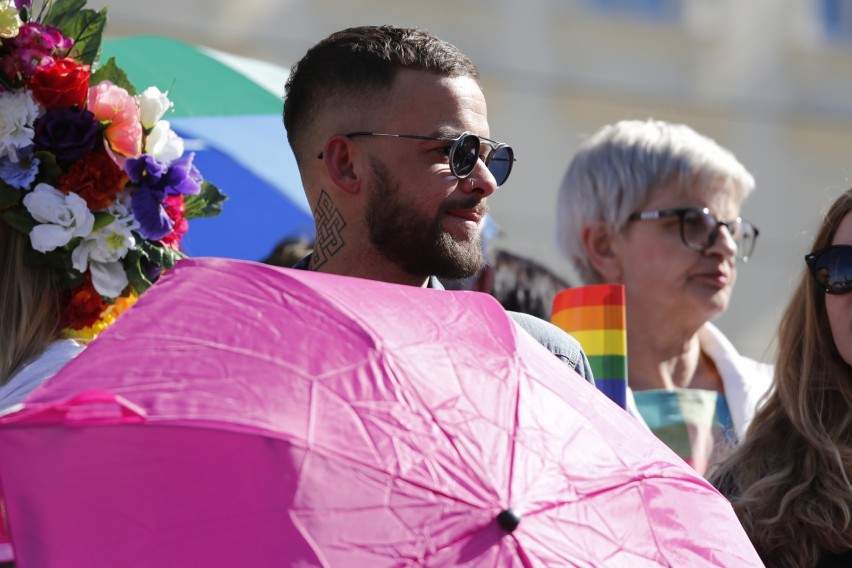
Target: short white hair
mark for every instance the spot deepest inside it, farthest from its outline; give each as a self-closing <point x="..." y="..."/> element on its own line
<point x="623" y="165"/>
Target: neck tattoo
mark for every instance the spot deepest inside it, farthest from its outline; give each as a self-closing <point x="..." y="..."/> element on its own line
<point x="330" y="224"/>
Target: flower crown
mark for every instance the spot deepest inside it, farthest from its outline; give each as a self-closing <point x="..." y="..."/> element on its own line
<point x="88" y="167"/>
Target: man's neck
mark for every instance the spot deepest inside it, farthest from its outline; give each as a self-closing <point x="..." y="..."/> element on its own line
<point x="371" y="269"/>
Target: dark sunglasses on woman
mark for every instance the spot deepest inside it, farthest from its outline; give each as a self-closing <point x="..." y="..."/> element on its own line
<point x="831" y="268"/>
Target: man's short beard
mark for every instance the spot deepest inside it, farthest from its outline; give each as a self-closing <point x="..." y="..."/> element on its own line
<point x="419" y="245"/>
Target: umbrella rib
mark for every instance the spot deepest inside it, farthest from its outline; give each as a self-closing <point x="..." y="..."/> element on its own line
<point x="512" y="445"/>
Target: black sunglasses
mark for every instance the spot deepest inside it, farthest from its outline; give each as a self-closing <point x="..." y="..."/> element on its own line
<point x="831" y="267"/>
<point x="464" y="153"/>
<point x="699" y="228"/>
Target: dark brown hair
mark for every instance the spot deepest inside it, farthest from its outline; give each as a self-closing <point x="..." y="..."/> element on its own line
<point x="360" y="64"/>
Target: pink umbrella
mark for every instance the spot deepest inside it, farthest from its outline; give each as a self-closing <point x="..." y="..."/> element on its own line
<point x="245" y="415"/>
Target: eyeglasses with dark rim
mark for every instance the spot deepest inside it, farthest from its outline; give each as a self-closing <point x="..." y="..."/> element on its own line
<point x="831" y="268"/>
<point x="464" y="153"/>
<point x="699" y="228"/>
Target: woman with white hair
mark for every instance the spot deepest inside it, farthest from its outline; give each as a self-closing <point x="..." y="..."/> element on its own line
<point x="655" y="207"/>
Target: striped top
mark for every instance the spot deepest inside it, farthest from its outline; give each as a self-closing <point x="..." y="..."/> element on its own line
<point x="695" y="423"/>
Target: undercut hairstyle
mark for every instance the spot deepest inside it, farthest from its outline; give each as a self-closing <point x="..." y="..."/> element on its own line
<point x="789" y="480"/>
<point x="623" y="166"/>
<point x="356" y="67"/>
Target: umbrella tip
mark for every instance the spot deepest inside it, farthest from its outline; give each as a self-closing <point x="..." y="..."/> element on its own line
<point x="508" y="520"/>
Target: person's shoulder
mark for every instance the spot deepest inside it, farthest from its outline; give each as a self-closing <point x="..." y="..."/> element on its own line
<point x="35" y="372"/>
<point x="304" y="263"/>
<point x="557" y="341"/>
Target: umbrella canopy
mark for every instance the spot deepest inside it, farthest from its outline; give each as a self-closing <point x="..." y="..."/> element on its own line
<point x="228" y="110"/>
<point x="241" y="414"/>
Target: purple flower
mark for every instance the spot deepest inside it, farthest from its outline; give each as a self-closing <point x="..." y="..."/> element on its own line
<point x="23" y="4"/>
<point x="67" y="133"/>
<point x="144" y="169"/>
<point x="182" y="177"/>
<point x="147" y="206"/>
<point x="155" y="181"/>
<point x="35" y="42"/>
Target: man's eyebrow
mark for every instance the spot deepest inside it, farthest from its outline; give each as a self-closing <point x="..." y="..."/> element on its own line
<point x="446" y="132"/>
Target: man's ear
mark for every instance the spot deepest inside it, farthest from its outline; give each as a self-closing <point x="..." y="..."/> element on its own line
<point x="599" y="243"/>
<point x="339" y="157"/>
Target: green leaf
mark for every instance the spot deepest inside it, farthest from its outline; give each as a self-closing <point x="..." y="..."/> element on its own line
<point x="9" y="196"/>
<point x="48" y="170"/>
<point x="20" y="219"/>
<point x="135" y="273"/>
<point x="84" y="26"/>
<point x="163" y="256"/>
<point x="64" y="275"/>
<point x="88" y="30"/>
<point x="112" y="72"/>
<point x="62" y="11"/>
<point x="206" y="203"/>
<point x="102" y="219"/>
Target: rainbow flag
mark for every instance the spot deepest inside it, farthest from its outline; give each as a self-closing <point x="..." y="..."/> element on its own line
<point x="595" y="316"/>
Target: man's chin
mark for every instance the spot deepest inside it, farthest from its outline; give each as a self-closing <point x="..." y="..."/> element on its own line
<point x="461" y="230"/>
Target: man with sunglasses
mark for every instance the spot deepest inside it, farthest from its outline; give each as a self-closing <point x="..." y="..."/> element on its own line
<point x="390" y="132"/>
<point x="655" y="207"/>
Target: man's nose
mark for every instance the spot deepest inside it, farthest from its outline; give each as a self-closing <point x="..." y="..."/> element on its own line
<point x="480" y="181"/>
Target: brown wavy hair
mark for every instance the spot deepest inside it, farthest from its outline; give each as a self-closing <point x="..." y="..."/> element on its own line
<point x="789" y="480"/>
<point x="29" y="305"/>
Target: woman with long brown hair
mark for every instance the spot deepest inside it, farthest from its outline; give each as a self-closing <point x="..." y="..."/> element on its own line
<point x="31" y="342"/>
<point x="789" y="482"/>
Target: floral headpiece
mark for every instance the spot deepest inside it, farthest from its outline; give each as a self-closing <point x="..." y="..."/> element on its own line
<point x="88" y="167"/>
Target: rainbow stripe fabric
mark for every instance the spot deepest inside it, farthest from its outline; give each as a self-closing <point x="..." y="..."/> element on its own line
<point x="595" y="316"/>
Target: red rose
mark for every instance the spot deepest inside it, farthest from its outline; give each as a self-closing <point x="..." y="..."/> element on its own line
<point x="61" y="84"/>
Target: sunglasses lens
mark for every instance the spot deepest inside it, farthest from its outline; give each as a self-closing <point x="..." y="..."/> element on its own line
<point x="832" y="269"/>
<point x="500" y="164"/>
<point x="465" y="154"/>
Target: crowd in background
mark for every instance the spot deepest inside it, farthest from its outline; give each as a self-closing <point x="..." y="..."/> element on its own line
<point x="649" y="205"/>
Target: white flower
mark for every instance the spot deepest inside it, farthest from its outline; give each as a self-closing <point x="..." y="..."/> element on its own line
<point x="18" y="112"/>
<point x="108" y="278"/>
<point x="152" y="106"/>
<point x="10" y="21"/>
<point x="61" y="217"/>
<point x="163" y="144"/>
<point x="101" y="251"/>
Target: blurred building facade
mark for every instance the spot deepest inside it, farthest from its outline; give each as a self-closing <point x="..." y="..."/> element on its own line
<point x="769" y="79"/>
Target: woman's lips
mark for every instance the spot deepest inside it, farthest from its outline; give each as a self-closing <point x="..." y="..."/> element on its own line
<point x="718" y="278"/>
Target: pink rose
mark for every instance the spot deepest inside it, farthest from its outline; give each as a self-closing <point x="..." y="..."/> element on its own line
<point x="114" y="106"/>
